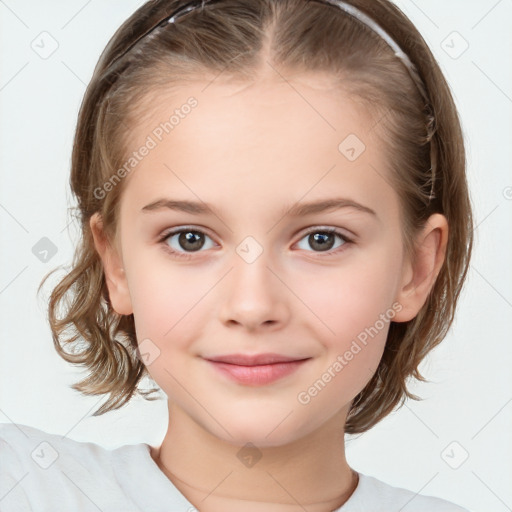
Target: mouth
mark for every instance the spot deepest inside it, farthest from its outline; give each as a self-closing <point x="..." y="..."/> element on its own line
<point x="256" y="370"/>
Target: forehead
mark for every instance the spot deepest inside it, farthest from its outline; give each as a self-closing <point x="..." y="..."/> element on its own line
<point x="307" y="106"/>
<point x="270" y="138"/>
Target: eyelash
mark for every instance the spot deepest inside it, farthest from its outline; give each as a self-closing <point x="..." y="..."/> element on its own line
<point x="162" y="240"/>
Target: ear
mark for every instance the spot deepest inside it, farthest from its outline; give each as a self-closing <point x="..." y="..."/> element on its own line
<point x="113" y="268"/>
<point x="419" y="275"/>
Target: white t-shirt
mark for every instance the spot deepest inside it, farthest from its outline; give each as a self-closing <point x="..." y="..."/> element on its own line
<point x="50" y="473"/>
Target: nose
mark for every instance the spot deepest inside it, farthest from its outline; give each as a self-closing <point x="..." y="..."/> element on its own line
<point x="254" y="296"/>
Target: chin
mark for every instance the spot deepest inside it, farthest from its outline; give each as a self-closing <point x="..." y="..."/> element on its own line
<point x="259" y="430"/>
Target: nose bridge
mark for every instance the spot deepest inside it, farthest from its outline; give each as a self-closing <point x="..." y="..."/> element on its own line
<point x="254" y="294"/>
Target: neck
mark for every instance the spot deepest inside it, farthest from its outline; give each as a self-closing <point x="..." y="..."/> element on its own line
<point x="216" y="475"/>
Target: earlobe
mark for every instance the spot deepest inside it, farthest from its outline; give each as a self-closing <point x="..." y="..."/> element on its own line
<point x="419" y="276"/>
<point x="115" y="275"/>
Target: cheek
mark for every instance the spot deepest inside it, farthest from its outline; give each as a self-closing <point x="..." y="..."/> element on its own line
<point x="169" y="304"/>
<point x="166" y="297"/>
<point x="173" y="306"/>
<point x="349" y="298"/>
<point x="350" y="310"/>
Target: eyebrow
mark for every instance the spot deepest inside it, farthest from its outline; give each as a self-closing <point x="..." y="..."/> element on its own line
<point x="297" y="210"/>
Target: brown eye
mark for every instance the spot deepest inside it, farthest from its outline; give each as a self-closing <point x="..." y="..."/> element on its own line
<point x="185" y="241"/>
<point x="190" y="240"/>
<point x="324" y="240"/>
<point x="321" y="241"/>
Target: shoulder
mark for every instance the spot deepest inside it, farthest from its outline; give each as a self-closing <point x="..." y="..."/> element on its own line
<point x="376" y="495"/>
<point x="25" y="440"/>
<point x="45" y="471"/>
<point x="27" y="448"/>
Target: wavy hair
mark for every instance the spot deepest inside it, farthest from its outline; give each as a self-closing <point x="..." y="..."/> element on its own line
<point x="236" y="37"/>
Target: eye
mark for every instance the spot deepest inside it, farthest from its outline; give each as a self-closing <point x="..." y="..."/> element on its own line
<point x="189" y="240"/>
<point x="322" y="240"/>
<point x="185" y="241"/>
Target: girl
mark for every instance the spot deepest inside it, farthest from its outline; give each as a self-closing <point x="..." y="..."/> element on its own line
<point x="276" y="229"/>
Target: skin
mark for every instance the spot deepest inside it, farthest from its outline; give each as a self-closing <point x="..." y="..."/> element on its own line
<point x="252" y="150"/>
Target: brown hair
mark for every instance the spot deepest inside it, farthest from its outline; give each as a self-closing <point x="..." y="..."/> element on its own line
<point x="237" y="37"/>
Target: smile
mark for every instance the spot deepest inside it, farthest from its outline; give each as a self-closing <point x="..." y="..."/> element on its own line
<point x="257" y="375"/>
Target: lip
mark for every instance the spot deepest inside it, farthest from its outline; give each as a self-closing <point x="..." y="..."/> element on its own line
<point x="253" y="374"/>
<point x="254" y="359"/>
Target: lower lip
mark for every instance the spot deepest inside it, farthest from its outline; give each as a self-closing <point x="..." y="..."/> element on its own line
<point x="257" y="375"/>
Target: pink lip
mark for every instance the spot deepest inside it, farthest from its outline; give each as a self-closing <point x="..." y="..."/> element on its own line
<point x="254" y="371"/>
<point x="253" y="360"/>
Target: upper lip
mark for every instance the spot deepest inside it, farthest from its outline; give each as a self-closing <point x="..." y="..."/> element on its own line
<point x="254" y="360"/>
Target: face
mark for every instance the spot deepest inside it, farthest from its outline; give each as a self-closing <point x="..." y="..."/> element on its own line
<point x="246" y="270"/>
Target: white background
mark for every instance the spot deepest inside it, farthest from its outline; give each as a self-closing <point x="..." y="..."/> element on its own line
<point x="469" y="397"/>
